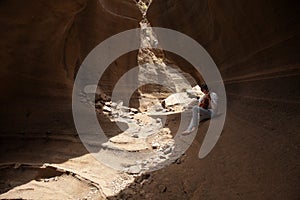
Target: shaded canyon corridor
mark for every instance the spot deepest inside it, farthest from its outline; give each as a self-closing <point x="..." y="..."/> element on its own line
<point x="255" y="45"/>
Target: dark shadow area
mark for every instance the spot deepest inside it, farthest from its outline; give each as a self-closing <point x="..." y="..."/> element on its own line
<point x="12" y="176"/>
<point x="44" y="46"/>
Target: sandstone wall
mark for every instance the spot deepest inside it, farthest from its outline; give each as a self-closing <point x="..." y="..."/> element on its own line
<point x="43" y="44"/>
<point x="255" y="45"/>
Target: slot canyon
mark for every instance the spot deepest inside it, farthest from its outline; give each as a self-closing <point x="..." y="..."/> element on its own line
<point x="255" y="46"/>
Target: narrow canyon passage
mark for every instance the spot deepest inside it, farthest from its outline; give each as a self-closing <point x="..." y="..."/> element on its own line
<point x="255" y="45"/>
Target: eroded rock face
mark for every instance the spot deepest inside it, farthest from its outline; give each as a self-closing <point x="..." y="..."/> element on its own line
<point x="43" y="44"/>
<point x="255" y="46"/>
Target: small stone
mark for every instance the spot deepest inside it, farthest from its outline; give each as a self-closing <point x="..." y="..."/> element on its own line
<point x="135" y="111"/>
<point x="162" y="188"/>
<point x="168" y="150"/>
<point x="113" y="104"/>
<point x="162" y="157"/>
<point x="131" y="114"/>
<point x="158" y="109"/>
<point x="94" y="190"/>
<point x="178" y="161"/>
<point x="106" y="109"/>
<point x="115" y="115"/>
<point x="142" y="177"/>
<point x="122" y="139"/>
<point x="155" y="145"/>
<point x="165" y="131"/>
<point x="108" y="104"/>
<point x="134" y="169"/>
<point x="128" y="117"/>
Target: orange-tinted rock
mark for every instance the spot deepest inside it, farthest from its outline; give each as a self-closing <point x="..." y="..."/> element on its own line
<point x="43" y="44"/>
<point x="255" y="45"/>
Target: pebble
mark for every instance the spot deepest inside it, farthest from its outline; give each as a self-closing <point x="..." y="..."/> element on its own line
<point x="158" y="120"/>
<point x="135" y="111"/>
<point x="135" y="169"/>
<point x="106" y="109"/>
<point x="162" y="188"/>
<point x="108" y="103"/>
<point x="113" y="104"/>
<point x="168" y="150"/>
<point x="155" y="145"/>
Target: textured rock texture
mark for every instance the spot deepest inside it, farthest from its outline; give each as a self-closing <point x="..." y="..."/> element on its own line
<point x="43" y="44"/>
<point x="255" y="44"/>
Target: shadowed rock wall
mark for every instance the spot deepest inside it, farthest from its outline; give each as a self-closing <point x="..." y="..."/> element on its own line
<point x="43" y="44"/>
<point x="255" y="45"/>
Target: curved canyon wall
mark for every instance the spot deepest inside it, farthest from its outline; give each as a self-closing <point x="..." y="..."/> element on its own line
<point x="43" y="44"/>
<point x="255" y="45"/>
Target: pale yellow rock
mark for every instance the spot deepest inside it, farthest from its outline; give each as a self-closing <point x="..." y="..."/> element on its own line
<point x="122" y="139"/>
